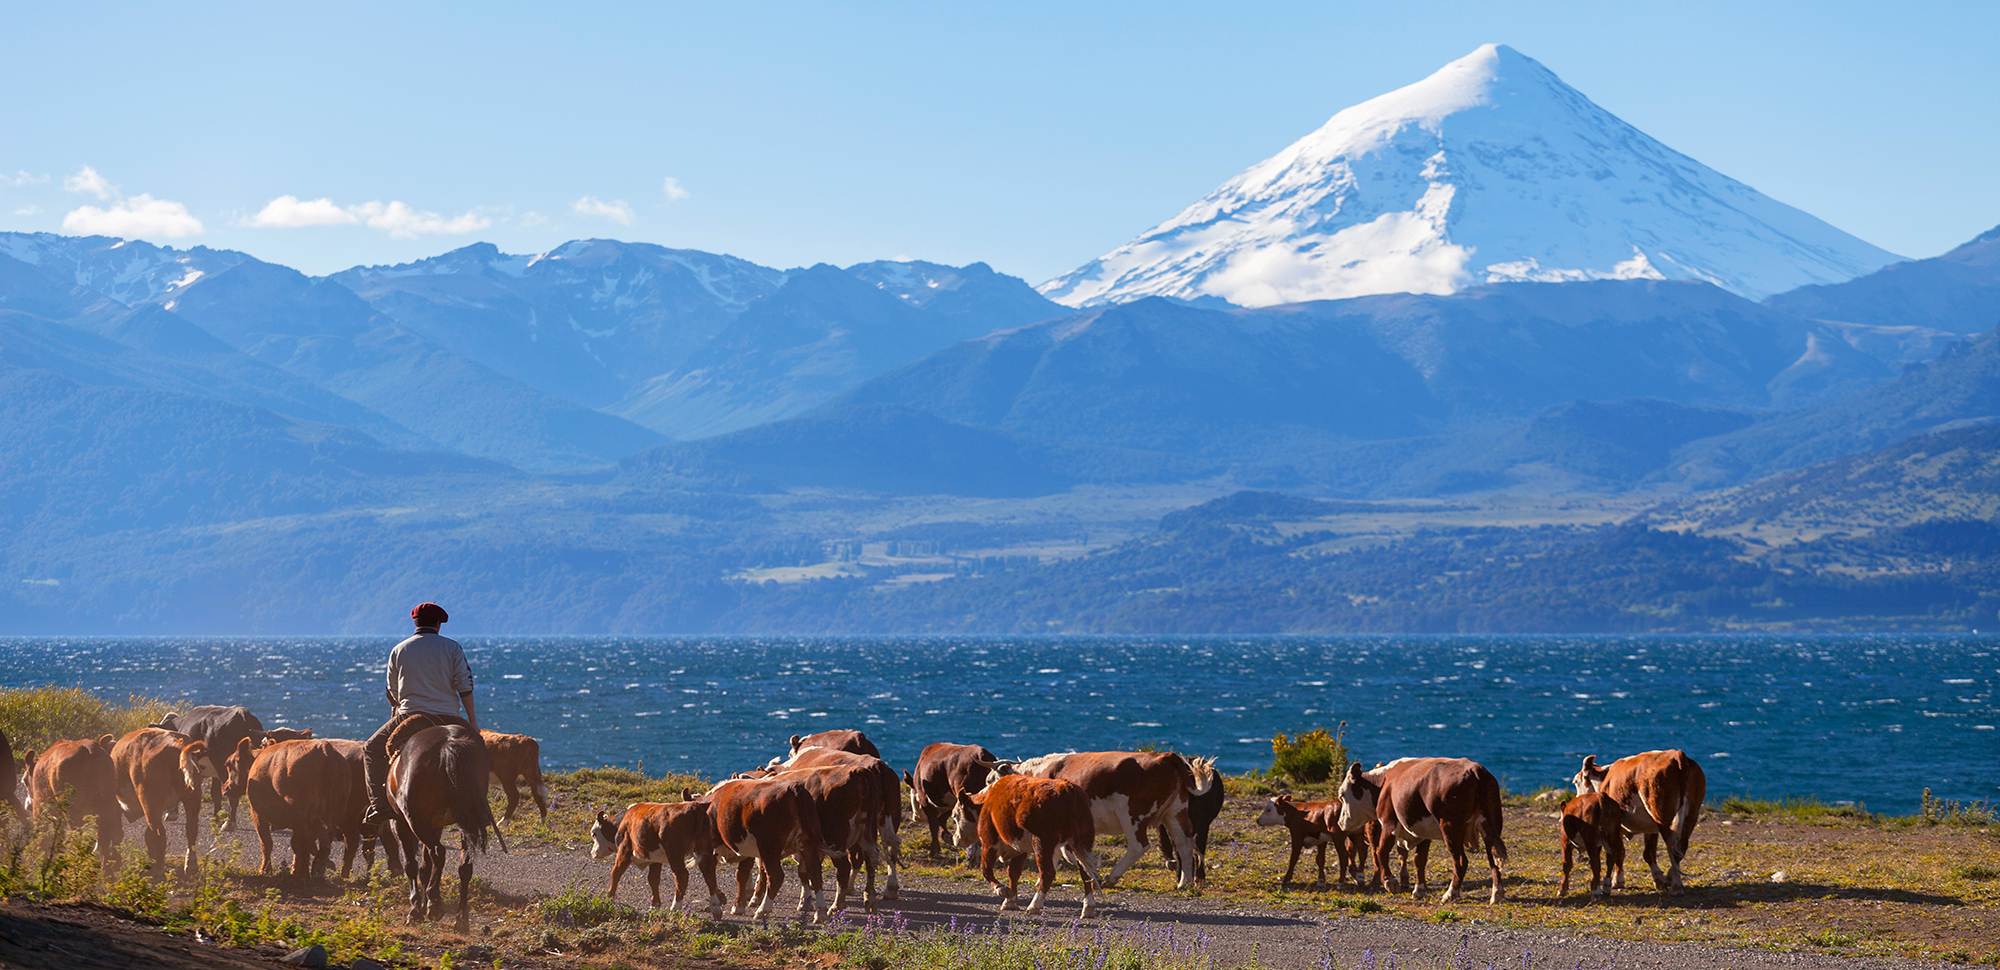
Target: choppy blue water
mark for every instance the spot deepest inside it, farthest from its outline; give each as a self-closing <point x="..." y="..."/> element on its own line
<point x="1873" y="719"/>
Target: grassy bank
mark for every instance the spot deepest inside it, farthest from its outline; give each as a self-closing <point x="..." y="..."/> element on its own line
<point x="31" y="717"/>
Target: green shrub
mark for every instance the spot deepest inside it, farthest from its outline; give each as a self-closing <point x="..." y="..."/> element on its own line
<point x="35" y="716"/>
<point x="1310" y="758"/>
<point x="1951" y="811"/>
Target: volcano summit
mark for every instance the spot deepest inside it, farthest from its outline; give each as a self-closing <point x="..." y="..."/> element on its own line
<point x="1490" y="170"/>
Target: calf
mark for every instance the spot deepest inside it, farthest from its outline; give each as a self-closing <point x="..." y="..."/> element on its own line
<point x="157" y="769"/>
<point x="653" y="833"/>
<point x="303" y="786"/>
<point x="1421" y="800"/>
<point x="517" y="757"/>
<point x="1203" y="809"/>
<point x="1132" y="792"/>
<point x="74" y="779"/>
<point x="1661" y="793"/>
<point x="1313" y="825"/>
<point x="221" y="729"/>
<point x="764" y="821"/>
<point x="841" y="740"/>
<point x="1593" y="822"/>
<point x="944" y="772"/>
<point x="884" y="847"/>
<point x="1017" y="815"/>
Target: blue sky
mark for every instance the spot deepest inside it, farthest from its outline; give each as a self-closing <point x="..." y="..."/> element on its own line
<point x="1031" y="136"/>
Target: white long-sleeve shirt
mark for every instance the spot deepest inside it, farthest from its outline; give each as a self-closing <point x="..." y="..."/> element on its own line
<point x="427" y="672"/>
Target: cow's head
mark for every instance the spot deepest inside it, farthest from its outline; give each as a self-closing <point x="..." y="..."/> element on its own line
<point x="603" y="837"/>
<point x="1590" y="778"/>
<point x="1357" y="798"/>
<point x="1274" y="811"/>
<point x="169" y="723"/>
<point x="962" y="830"/>
<point x="197" y="769"/>
<point x="996" y="770"/>
<point x="236" y="770"/>
<point x="687" y="794"/>
<point x="275" y="735"/>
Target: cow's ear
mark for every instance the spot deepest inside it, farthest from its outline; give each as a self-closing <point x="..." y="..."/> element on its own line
<point x="1590" y="762"/>
<point x="907" y="780"/>
<point x="795" y="742"/>
<point x="1354" y="771"/>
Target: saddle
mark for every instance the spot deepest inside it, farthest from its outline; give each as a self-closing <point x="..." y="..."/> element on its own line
<point x="409" y="725"/>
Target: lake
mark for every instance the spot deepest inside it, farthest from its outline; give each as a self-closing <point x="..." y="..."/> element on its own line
<point x="1872" y="719"/>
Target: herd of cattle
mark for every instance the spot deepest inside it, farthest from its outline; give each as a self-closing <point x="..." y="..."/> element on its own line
<point x="833" y="799"/>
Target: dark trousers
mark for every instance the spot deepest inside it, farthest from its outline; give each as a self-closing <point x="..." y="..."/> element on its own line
<point x="389" y="739"/>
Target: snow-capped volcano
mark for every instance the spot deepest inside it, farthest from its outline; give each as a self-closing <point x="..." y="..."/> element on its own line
<point x="1491" y="170"/>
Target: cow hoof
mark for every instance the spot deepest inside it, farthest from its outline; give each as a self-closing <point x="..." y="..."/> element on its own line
<point x="1007" y="903"/>
<point x="1497" y="897"/>
<point x="1088" y="910"/>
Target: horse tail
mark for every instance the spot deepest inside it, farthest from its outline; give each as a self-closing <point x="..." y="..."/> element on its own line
<point x="465" y="767"/>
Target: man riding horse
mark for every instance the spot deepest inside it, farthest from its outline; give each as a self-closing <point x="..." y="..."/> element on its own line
<point x="429" y="681"/>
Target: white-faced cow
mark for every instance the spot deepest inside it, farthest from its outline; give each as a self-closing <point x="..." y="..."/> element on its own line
<point x="657" y="833"/>
<point x="839" y="740"/>
<point x="1017" y="816"/>
<point x="1421" y="800"/>
<point x="1131" y="793"/>
<point x="1661" y="793"/>
<point x="883" y="845"/>
<point x="764" y="820"/>
<point x="1593" y="823"/>
<point x="220" y="729"/>
<point x="1315" y="825"/>
<point x="944" y="772"/>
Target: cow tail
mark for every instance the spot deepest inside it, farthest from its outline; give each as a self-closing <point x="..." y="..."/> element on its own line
<point x="465" y="768"/>
<point x="534" y="767"/>
<point x="1694" y="788"/>
<point x="1205" y="775"/>
<point x="1489" y="809"/>
<point x="191" y="755"/>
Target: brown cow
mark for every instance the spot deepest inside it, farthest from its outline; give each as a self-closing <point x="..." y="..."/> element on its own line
<point x="841" y="740"/>
<point x="303" y="786"/>
<point x="1018" y="815"/>
<point x="850" y="802"/>
<point x="12" y="797"/>
<point x="516" y="758"/>
<point x="1592" y="823"/>
<point x="766" y="820"/>
<point x="944" y="772"/>
<point x="1421" y="800"/>
<point x="888" y="838"/>
<point x="1315" y="825"/>
<point x="78" y="776"/>
<point x="346" y="821"/>
<point x="1131" y="792"/>
<point x="653" y="833"/>
<point x="158" y="769"/>
<point x="1661" y="793"/>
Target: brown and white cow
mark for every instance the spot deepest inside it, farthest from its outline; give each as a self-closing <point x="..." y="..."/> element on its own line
<point x="1315" y="825"/>
<point x="1595" y="824"/>
<point x="660" y="833"/>
<point x="1421" y="800"/>
<point x="303" y="786"/>
<point x="158" y="769"/>
<point x="850" y="803"/>
<point x="1019" y="815"/>
<point x="517" y="758"/>
<point x="839" y="740"/>
<point x="1131" y="792"/>
<point x="944" y="772"/>
<point x="74" y="779"/>
<point x="882" y="847"/>
<point x="1203" y="809"/>
<point x="1661" y="793"/>
<point x="764" y="820"/>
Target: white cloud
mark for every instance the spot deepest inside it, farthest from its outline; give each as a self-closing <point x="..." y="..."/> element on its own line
<point x="27" y="210"/>
<point x="87" y="180"/>
<point x="141" y="215"/>
<point x="616" y="210"/>
<point x="404" y="222"/>
<point x="21" y="177"/>
<point x="530" y="219"/>
<point x="674" y="190"/>
<point x="288" y="212"/>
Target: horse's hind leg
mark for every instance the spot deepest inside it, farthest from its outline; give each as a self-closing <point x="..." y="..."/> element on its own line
<point x="465" y="884"/>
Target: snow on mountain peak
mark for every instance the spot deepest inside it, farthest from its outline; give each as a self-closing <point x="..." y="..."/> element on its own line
<point x="1490" y="170"/>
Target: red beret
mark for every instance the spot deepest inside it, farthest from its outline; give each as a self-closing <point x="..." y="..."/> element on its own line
<point x="429" y="614"/>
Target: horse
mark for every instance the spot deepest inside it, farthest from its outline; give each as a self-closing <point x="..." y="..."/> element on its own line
<point x="438" y="779"/>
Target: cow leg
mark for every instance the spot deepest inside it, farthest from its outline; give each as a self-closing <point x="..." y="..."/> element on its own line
<point x="156" y="835"/>
<point x="263" y="843"/>
<point x="541" y="793"/>
<point x="1422" y="885"/>
<point x="1653" y="862"/>
<point x="1045" y="873"/>
<point x="810" y="884"/>
<point x="191" y="807"/>
<point x="653" y="881"/>
<point x="1614" y="862"/>
<point x="351" y="843"/>
<point x="618" y="867"/>
<point x="843" y="881"/>
<point x="511" y="787"/>
<point x="742" y="885"/>
<point x="1298" y="846"/>
<point x="772" y="862"/>
<point x="1086" y="863"/>
<point x="891" y="856"/>
<point x="989" y="857"/>
<point x="680" y="867"/>
<point x="1319" y="858"/>
<point x="1180" y="828"/>
<point x="1135" y="846"/>
<point x="1598" y="885"/>
<point x="1014" y="867"/>
<point x="1383" y="874"/>
<point x="1569" y="862"/>
<point x="1454" y="845"/>
<point x="706" y="863"/>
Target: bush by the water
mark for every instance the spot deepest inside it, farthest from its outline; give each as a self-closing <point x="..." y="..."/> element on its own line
<point x="1309" y="758"/>
<point x="35" y="716"/>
